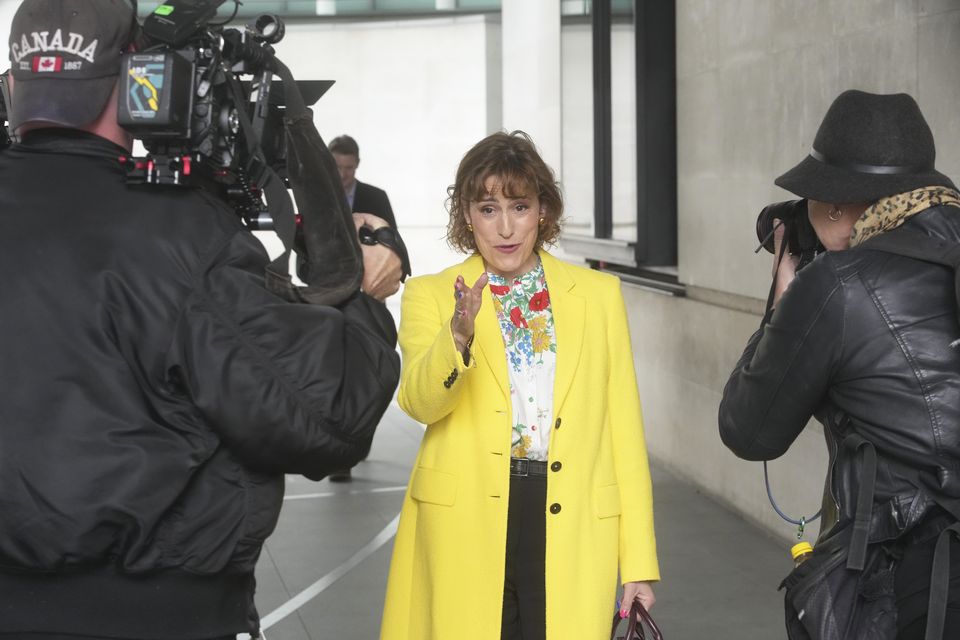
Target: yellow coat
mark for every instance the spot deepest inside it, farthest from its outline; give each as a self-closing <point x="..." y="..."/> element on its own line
<point x="446" y="577"/>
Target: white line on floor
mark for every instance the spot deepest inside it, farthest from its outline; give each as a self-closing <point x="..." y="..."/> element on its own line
<point x="320" y="585"/>
<point x="307" y="496"/>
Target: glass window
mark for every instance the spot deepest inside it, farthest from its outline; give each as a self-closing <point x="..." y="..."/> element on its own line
<point x="303" y="8"/>
<point x="403" y="6"/>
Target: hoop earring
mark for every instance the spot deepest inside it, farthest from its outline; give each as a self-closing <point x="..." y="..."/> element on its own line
<point x="469" y="227"/>
<point x="835" y="214"/>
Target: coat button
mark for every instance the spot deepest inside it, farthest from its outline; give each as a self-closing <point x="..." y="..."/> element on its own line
<point x="557" y="424"/>
<point x="555" y="507"/>
<point x="446" y="383"/>
<point x="556" y="466"/>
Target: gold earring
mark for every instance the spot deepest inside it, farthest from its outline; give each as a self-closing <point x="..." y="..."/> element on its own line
<point x="469" y="227"/>
<point x="542" y="219"/>
<point x="835" y="214"/>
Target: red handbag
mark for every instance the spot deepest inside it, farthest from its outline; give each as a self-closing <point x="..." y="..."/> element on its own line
<point x="638" y="617"/>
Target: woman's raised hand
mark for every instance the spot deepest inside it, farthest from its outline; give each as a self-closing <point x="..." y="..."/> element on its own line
<point x="466" y="309"/>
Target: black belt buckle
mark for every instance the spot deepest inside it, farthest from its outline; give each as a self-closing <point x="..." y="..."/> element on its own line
<point x="519" y="467"/>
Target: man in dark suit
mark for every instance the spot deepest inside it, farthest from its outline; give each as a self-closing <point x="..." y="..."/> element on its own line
<point x="363" y="198"/>
<point x="371" y="208"/>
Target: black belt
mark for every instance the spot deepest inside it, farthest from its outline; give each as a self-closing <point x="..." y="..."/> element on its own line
<point x="524" y="467"/>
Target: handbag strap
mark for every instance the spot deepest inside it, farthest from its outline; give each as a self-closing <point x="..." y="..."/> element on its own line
<point x="940" y="583"/>
<point x="856" y="558"/>
<point x="639" y="616"/>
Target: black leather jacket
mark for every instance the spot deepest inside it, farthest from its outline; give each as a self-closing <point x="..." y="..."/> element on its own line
<point x="152" y="395"/>
<point x="861" y="340"/>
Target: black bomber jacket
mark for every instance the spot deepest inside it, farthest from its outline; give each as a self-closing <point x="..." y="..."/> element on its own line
<point x="861" y="341"/>
<point x="153" y="394"/>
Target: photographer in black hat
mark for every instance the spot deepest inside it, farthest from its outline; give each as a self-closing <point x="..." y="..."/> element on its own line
<point x="153" y="392"/>
<point x="862" y="339"/>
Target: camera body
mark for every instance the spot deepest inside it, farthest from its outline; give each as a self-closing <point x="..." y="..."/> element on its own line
<point x="799" y="235"/>
<point x="182" y="95"/>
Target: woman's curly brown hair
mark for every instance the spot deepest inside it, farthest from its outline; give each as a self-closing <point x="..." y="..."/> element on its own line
<point x="513" y="158"/>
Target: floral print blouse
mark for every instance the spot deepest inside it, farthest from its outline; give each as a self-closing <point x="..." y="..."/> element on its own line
<point x="526" y="321"/>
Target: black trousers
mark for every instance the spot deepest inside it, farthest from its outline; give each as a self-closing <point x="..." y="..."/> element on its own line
<point x="912" y="590"/>
<point x="524" y="587"/>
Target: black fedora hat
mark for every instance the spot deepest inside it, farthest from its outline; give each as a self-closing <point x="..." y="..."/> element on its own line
<point x="868" y="147"/>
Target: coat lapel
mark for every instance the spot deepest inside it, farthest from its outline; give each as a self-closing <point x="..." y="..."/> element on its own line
<point x="569" y="310"/>
<point x="488" y="344"/>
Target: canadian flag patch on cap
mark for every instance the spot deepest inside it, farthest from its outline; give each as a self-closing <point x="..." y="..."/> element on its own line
<point x="47" y="64"/>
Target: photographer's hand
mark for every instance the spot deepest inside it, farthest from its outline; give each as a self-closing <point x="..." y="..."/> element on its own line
<point x="466" y="309"/>
<point x="382" y="267"/>
<point x="784" y="266"/>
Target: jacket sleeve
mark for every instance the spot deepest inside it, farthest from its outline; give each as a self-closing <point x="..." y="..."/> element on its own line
<point x="638" y="545"/>
<point x="431" y="382"/>
<point x="388" y="211"/>
<point x="783" y="374"/>
<point x="290" y="388"/>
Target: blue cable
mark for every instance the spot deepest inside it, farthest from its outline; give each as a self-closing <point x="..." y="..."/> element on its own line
<point x="802" y="521"/>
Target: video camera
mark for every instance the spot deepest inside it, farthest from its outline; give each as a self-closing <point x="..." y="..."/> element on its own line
<point x="183" y="97"/>
<point x="798" y="233"/>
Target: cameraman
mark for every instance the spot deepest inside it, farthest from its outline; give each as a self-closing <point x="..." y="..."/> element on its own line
<point x="861" y="340"/>
<point x="153" y="392"/>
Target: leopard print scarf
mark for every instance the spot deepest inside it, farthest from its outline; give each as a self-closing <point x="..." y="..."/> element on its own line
<point x="891" y="212"/>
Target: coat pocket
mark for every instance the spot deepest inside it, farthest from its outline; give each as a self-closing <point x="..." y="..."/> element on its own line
<point x="435" y="487"/>
<point x="607" y="500"/>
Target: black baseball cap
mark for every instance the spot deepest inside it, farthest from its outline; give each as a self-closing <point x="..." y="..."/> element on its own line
<point x="65" y="58"/>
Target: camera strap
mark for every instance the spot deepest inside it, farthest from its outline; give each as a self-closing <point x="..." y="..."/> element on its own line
<point x="768" y="311"/>
<point x="803" y="521"/>
<point x="332" y="260"/>
<point x="259" y="173"/>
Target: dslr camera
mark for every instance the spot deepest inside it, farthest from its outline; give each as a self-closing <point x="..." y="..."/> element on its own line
<point x="799" y="236"/>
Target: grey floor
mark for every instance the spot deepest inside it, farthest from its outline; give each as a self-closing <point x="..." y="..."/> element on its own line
<point x="322" y="573"/>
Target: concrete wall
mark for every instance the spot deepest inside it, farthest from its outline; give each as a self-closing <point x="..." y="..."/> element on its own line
<point x="754" y="79"/>
<point x="7" y="9"/>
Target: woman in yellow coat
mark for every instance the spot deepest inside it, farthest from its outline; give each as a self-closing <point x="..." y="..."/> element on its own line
<point x="531" y="488"/>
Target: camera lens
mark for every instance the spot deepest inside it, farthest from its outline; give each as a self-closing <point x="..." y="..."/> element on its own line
<point x="268" y="28"/>
<point x="786" y="212"/>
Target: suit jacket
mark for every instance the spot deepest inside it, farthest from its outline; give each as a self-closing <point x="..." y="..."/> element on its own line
<point x="446" y="578"/>
<point x="370" y="199"/>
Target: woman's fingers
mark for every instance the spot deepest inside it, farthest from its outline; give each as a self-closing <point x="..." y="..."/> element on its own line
<point x="468" y="301"/>
<point x="641" y="591"/>
<point x="480" y="284"/>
